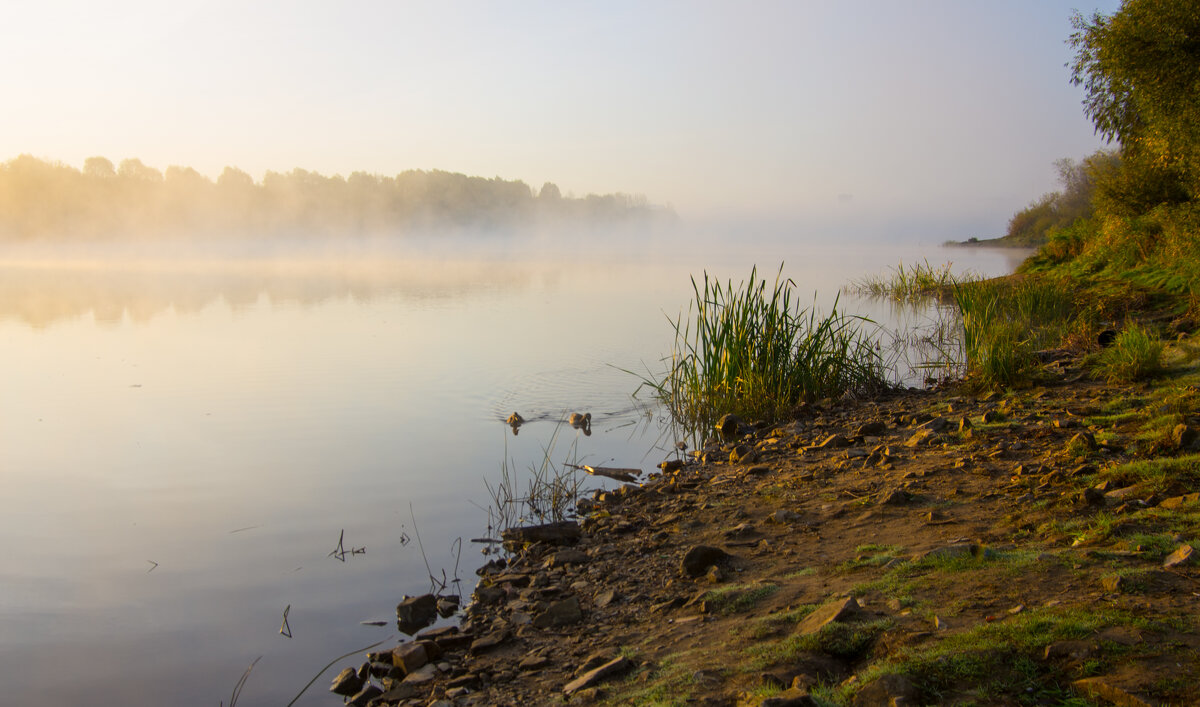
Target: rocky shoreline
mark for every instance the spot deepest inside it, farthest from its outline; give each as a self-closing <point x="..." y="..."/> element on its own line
<point x="934" y="547"/>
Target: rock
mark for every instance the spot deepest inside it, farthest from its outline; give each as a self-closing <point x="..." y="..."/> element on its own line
<point x="422" y="676"/>
<point x="885" y="691"/>
<point x="365" y="695"/>
<point x="937" y="424"/>
<point x="670" y="466"/>
<point x="1183" y="437"/>
<point x="783" y="515"/>
<point x="991" y="417"/>
<point x="1112" y="583"/>
<point x="1103" y="688"/>
<point x="729" y="425"/>
<point x="895" y="497"/>
<point x="1176" y="502"/>
<point x="409" y="657"/>
<point x="347" y="683"/>
<point x="415" y="613"/>
<point x="560" y="613"/>
<point x="1085" y="439"/>
<point x="567" y="557"/>
<point x="791" y="697"/>
<point x="1183" y="555"/>
<point x="743" y="454"/>
<point x="447" y="606"/>
<point x="920" y="437"/>
<point x="489" y="641"/>
<point x="605" y="598"/>
<point x="697" y="560"/>
<point x="598" y="675"/>
<point x="1093" y="497"/>
<point x="827" y="614"/>
<point x="565" y="532"/>
<point x="834" y="442"/>
<point x="533" y="662"/>
<point x="871" y="429"/>
<point x="1068" y="650"/>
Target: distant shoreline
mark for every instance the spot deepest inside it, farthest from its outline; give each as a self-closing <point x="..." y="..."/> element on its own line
<point x="1001" y="242"/>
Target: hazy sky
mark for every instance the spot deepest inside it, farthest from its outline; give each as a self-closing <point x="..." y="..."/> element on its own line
<point x="939" y="114"/>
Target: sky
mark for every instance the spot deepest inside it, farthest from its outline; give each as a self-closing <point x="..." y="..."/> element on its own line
<point x="909" y="115"/>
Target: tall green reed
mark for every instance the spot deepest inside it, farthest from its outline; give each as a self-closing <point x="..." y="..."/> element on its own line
<point x="752" y="351"/>
<point x="1005" y="321"/>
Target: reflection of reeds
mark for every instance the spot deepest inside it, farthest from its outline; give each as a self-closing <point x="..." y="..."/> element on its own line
<point x="285" y="628"/>
<point x="753" y="352"/>
<point x="911" y="284"/>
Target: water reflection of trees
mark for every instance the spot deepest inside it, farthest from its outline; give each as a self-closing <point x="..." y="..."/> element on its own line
<point x="46" y="200"/>
<point x="44" y="293"/>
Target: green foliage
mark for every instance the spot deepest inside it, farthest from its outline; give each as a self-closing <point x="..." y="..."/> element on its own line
<point x="754" y="352"/>
<point x="50" y="200"/>
<point x="1140" y="70"/>
<point x="1135" y="354"/>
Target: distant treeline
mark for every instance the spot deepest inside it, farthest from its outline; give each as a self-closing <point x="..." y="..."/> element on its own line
<point x="49" y="200"/>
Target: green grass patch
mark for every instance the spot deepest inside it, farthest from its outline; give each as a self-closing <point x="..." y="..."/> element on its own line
<point x="737" y="599"/>
<point x="999" y="659"/>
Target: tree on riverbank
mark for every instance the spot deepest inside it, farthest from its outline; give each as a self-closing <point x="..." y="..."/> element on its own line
<point x="1140" y="69"/>
<point x="48" y="200"/>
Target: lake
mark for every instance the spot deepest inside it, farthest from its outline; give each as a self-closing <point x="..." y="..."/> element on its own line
<point x="187" y="436"/>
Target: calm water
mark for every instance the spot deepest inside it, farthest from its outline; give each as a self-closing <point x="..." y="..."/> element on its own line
<point x="183" y="441"/>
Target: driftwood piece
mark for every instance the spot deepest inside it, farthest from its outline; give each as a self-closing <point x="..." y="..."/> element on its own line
<point x="629" y="476"/>
<point x="562" y="533"/>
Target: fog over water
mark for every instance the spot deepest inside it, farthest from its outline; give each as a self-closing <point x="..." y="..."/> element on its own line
<point x="188" y="430"/>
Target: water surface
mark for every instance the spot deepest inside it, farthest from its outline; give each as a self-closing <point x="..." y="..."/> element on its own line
<point x="185" y="438"/>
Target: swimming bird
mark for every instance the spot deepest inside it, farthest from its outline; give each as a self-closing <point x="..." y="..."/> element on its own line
<point x="515" y="419"/>
<point x="577" y="420"/>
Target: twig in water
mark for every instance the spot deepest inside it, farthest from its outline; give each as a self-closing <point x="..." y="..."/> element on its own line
<point x="152" y="568"/>
<point x="237" y="689"/>
<point x="329" y="665"/>
<point x="340" y="551"/>
<point x="286" y="628"/>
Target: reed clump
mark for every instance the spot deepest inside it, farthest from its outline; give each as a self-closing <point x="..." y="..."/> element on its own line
<point x="1005" y="321"/>
<point x="911" y="284"/>
<point x="1135" y="354"/>
<point x="752" y="351"/>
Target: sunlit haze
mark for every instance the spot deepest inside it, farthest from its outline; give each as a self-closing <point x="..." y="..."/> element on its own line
<point x="903" y="118"/>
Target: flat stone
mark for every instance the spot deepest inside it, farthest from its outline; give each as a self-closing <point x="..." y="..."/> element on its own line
<point x="422" y="676"/>
<point x="920" y="437"/>
<point x="1103" y="688"/>
<point x="887" y="690"/>
<point x="870" y="428"/>
<point x="937" y="424"/>
<point x="597" y="675"/>
<point x="827" y="614"/>
<point x="1183" y="555"/>
<point x="834" y="442"/>
<point x="489" y="641"/>
<point x="365" y="695"/>
<point x="560" y="613"/>
<point x="1176" y="502"/>
<point x="567" y="557"/>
